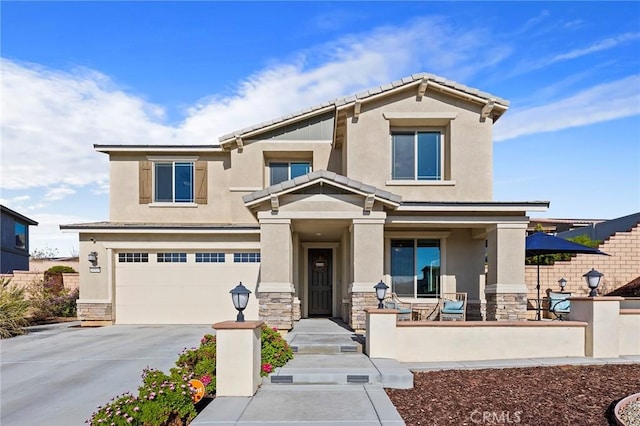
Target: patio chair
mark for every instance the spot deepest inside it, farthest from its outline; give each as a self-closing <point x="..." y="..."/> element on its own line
<point x="559" y="305"/>
<point x="392" y="302"/>
<point x="454" y="307"/>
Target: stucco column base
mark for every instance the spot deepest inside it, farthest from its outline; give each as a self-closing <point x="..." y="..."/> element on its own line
<point x="276" y="309"/>
<point x="506" y="302"/>
<point x="381" y="332"/>
<point x="94" y="313"/>
<point x="359" y="302"/>
<point x="602" y="315"/>
<point x="238" y="357"/>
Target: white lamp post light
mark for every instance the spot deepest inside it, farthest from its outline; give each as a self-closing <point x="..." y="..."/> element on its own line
<point x="593" y="280"/>
<point x="562" y="283"/>
<point x="381" y="292"/>
<point x="240" y="298"/>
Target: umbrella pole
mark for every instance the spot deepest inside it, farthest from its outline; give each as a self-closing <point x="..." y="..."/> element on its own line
<point x="538" y="288"/>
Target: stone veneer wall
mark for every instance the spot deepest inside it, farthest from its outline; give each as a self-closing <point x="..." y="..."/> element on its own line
<point x="360" y="302"/>
<point x="95" y="312"/>
<point x="276" y="309"/>
<point x="476" y="310"/>
<point x="297" y="313"/>
<point x="506" y="306"/>
<point x="620" y="267"/>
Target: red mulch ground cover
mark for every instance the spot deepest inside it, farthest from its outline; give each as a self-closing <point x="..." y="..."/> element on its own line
<point x="563" y="395"/>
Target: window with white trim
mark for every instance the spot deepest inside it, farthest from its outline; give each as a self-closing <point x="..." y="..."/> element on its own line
<point x="281" y="171"/>
<point x="415" y="267"/>
<point x="209" y="257"/>
<point x="416" y="155"/>
<point x="172" y="257"/>
<point x="133" y="257"/>
<point x="246" y="257"/>
<point x="173" y="181"/>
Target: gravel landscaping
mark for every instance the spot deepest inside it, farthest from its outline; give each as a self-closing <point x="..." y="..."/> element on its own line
<point x="564" y="395"/>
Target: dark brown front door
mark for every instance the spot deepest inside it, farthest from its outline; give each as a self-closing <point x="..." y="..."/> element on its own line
<point x="320" y="282"/>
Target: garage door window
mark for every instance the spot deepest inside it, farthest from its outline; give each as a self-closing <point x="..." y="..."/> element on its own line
<point x="172" y="257"/>
<point x="246" y="257"/>
<point x="209" y="257"/>
<point x="133" y="257"/>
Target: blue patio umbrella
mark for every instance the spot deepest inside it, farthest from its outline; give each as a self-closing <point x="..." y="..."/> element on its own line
<point x="539" y="244"/>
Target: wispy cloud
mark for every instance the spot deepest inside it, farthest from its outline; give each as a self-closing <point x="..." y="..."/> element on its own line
<point x="55" y="194"/>
<point x="607" y="43"/>
<point x="604" y="102"/>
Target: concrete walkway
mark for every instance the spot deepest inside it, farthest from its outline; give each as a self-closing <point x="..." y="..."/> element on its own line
<point x="329" y="382"/>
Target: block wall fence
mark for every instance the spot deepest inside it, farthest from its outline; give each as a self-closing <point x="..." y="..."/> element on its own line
<point x="620" y="267"/>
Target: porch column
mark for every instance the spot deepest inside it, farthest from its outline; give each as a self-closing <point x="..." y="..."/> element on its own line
<point x="275" y="291"/>
<point x="505" y="290"/>
<point x="367" y="253"/>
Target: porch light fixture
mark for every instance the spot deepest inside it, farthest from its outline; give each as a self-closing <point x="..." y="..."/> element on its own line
<point x="93" y="258"/>
<point x="381" y="292"/>
<point x="240" y="298"/>
<point x="562" y="283"/>
<point x="593" y="279"/>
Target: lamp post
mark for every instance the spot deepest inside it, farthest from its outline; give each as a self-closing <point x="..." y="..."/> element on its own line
<point x="593" y="279"/>
<point x="381" y="292"/>
<point x="562" y="283"/>
<point x="240" y="298"/>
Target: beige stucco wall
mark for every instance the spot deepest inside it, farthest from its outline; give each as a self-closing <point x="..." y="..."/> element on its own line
<point x="629" y="332"/>
<point x="469" y="141"/>
<point x="488" y="341"/>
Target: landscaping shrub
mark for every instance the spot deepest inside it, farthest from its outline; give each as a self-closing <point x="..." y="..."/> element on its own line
<point x="60" y="269"/>
<point x="13" y="309"/>
<point x="275" y="350"/>
<point x="48" y="299"/>
<point x="200" y="362"/>
<point x="161" y="400"/>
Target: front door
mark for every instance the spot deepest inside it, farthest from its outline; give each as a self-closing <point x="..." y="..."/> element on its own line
<point x="320" y="282"/>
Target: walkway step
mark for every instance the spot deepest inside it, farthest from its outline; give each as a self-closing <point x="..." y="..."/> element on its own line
<point x="327" y="344"/>
<point x="327" y="370"/>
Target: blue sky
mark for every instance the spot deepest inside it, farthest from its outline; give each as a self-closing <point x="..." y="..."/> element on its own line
<point x="79" y="73"/>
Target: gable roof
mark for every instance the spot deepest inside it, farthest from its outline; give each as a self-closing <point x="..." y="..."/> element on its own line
<point x="324" y="176"/>
<point x="427" y="79"/>
<point x="17" y="215"/>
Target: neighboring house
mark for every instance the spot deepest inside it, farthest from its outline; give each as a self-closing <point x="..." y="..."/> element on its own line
<point x="15" y="241"/>
<point x="554" y="226"/>
<point x="310" y="211"/>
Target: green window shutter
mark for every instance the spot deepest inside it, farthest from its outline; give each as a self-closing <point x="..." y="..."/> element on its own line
<point x="145" y="182"/>
<point x="201" y="182"/>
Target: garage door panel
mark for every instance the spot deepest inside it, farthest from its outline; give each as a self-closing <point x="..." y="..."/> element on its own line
<point x="181" y="293"/>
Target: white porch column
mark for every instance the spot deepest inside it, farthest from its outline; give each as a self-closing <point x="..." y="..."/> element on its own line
<point x="367" y="253"/>
<point x="505" y="290"/>
<point x="275" y="290"/>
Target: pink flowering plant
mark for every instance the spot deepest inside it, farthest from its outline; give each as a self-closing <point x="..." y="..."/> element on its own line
<point x="200" y="362"/>
<point x="275" y="350"/>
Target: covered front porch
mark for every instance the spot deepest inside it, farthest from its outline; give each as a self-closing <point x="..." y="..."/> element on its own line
<point x="325" y="244"/>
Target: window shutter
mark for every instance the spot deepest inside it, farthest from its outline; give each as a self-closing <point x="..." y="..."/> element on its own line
<point x="145" y="182"/>
<point x="201" y="182"/>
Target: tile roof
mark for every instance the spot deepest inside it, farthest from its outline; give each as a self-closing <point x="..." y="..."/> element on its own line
<point x="368" y="93"/>
<point x="144" y="225"/>
<point x="303" y="181"/>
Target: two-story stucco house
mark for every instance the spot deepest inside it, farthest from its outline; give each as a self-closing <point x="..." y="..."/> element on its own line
<point x="310" y="211"/>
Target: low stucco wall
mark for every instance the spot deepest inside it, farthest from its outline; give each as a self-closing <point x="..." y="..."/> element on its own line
<point x="629" y="331"/>
<point x="469" y="341"/>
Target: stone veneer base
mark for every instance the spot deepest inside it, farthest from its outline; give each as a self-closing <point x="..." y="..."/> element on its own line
<point x="506" y="306"/>
<point x="276" y="309"/>
<point x="359" y="302"/>
<point x="95" y="312"/>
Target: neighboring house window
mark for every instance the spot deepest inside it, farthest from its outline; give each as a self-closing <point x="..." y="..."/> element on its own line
<point x="416" y="155"/>
<point x="172" y="257"/>
<point x="20" y="235"/>
<point x="246" y="257"/>
<point x="279" y="172"/>
<point x="133" y="257"/>
<point x="173" y="182"/>
<point x="209" y="257"/>
<point x="415" y="267"/>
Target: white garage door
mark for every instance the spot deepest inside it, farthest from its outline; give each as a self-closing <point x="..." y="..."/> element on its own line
<point x="174" y="288"/>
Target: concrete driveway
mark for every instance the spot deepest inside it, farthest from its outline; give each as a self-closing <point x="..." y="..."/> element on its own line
<point x="58" y="375"/>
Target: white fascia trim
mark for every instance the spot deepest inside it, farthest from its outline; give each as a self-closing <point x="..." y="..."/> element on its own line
<point x="421" y="116"/>
<point x="420" y="183"/>
<point x="453" y="220"/>
<point x="160" y="231"/>
<point x="171" y="157"/>
<point x="475" y="208"/>
<point x="275" y="287"/>
<point x="157" y="148"/>
<point x="189" y="246"/>
<point x="316" y="181"/>
<point x="265" y="215"/>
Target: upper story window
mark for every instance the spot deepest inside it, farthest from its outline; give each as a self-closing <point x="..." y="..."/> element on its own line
<point x="282" y="171"/>
<point x="416" y="155"/>
<point x="20" y="235"/>
<point x="173" y="182"/>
